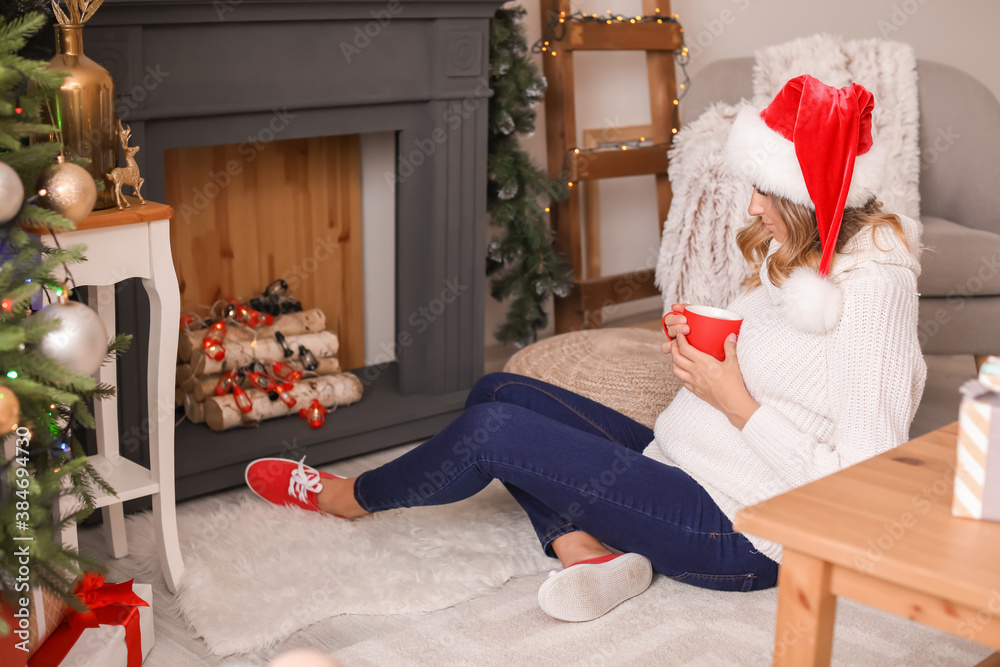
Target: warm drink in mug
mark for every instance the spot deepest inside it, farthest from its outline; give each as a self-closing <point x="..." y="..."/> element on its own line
<point x="709" y="328"/>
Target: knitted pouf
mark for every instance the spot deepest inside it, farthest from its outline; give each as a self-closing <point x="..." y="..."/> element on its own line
<point x="621" y="368"/>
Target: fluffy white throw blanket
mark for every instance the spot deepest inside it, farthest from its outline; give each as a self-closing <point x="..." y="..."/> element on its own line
<point x="699" y="260"/>
<point x="256" y="573"/>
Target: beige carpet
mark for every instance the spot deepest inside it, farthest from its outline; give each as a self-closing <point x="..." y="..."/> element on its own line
<point x="670" y="624"/>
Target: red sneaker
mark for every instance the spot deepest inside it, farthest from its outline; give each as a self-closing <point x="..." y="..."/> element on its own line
<point x="285" y="482"/>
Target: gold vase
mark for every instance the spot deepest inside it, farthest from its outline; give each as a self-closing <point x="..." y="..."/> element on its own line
<point x="84" y="109"/>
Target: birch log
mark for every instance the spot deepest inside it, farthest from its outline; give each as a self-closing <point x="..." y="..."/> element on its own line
<point x="185" y="373"/>
<point x="194" y="410"/>
<point x="222" y="414"/>
<point x="323" y="344"/>
<point x="204" y="388"/>
<point x="290" y="324"/>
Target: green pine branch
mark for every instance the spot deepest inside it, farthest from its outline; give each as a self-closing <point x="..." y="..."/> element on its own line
<point x="522" y="263"/>
<point x="14" y="34"/>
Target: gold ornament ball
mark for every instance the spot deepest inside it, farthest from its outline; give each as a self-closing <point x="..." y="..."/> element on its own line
<point x="10" y="409"/>
<point x="68" y="190"/>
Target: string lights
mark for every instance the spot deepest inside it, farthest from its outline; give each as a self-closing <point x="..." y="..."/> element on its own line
<point x="556" y="31"/>
<point x="605" y="147"/>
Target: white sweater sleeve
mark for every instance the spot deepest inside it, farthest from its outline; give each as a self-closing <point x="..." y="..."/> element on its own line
<point x="876" y="378"/>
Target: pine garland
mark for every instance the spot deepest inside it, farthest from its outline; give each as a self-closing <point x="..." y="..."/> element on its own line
<point x="522" y="263"/>
<point x="54" y="401"/>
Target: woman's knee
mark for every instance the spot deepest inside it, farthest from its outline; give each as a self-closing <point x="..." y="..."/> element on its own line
<point x="488" y="427"/>
<point x="486" y="388"/>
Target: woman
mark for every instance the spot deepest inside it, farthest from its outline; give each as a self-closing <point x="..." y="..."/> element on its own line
<point x="826" y="372"/>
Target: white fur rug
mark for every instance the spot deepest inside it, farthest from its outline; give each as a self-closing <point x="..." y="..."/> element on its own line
<point x="699" y="260"/>
<point x="256" y="573"/>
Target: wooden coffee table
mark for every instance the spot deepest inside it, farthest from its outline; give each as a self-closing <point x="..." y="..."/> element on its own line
<point x="881" y="532"/>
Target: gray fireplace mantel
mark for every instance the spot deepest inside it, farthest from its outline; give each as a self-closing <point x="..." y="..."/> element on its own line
<point x="197" y="72"/>
<point x="149" y="12"/>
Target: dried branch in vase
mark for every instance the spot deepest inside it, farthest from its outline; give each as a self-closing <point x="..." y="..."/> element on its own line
<point x="80" y="11"/>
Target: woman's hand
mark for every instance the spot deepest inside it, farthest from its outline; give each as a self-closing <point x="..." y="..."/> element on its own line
<point x="718" y="383"/>
<point x="676" y="323"/>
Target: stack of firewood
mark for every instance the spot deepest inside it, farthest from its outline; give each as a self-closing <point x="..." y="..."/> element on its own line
<point x="198" y="374"/>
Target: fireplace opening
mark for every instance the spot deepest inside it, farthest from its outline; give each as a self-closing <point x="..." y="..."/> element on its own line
<point x="251" y="212"/>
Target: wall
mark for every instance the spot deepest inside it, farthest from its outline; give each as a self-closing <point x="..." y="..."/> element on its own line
<point x="378" y="230"/>
<point x="612" y="87"/>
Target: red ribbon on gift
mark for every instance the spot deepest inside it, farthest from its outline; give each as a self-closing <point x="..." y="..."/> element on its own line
<point x="107" y="604"/>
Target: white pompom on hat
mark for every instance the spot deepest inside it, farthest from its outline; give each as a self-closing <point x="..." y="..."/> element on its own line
<point x="811" y="145"/>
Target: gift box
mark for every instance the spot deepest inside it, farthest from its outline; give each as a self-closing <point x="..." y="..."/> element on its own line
<point x="117" y="632"/>
<point x="977" y="468"/>
<point x="44" y="614"/>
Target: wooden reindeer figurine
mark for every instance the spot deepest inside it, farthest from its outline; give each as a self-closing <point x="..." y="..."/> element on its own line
<point x="129" y="174"/>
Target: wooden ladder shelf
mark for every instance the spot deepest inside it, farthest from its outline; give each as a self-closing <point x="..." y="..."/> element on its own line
<point x="582" y="308"/>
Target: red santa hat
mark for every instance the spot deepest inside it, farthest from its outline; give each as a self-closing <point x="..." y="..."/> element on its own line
<point x="811" y="145"/>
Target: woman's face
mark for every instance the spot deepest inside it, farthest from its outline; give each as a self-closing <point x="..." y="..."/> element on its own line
<point x="760" y="204"/>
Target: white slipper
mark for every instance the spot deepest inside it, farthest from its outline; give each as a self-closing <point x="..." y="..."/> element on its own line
<point x="589" y="589"/>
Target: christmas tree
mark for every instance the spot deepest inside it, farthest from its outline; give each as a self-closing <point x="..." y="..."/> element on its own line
<point x="43" y="399"/>
<point x="522" y="263"/>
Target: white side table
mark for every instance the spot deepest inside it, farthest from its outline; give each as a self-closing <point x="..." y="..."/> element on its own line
<point x="135" y="243"/>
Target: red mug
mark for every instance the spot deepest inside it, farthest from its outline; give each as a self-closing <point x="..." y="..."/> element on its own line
<point x="709" y="328"/>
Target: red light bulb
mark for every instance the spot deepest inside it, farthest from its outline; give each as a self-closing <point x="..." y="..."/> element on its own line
<point x="286" y="373"/>
<point x="286" y="398"/>
<point x="315" y="414"/>
<point x="225" y="383"/>
<point x="260" y="381"/>
<point x="243" y="401"/>
<point x="214" y="351"/>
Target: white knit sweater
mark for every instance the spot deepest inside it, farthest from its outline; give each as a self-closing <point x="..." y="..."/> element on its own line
<point x="827" y="401"/>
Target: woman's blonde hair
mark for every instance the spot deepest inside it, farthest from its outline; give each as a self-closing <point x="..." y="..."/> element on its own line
<point x="802" y="247"/>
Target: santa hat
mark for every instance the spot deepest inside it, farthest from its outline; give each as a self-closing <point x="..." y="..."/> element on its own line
<point x="811" y="145"/>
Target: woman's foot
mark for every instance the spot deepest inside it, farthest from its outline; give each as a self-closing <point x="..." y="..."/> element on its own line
<point x="571" y="548"/>
<point x="285" y="482"/>
<point x="337" y="498"/>
<point x="591" y="588"/>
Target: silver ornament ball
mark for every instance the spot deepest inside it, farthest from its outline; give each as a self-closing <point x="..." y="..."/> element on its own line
<point x="11" y="193"/>
<point x="80" y="344"/>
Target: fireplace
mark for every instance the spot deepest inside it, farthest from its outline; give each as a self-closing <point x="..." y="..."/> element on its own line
<point x="202" y="73"/>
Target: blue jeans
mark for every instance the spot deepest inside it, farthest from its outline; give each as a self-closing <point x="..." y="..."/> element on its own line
<point x="573" y="464"/>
